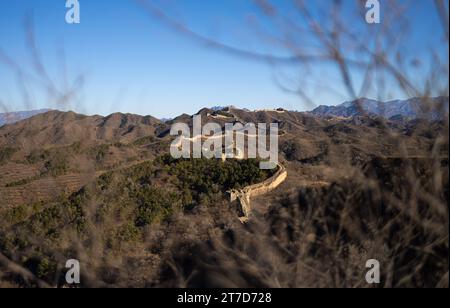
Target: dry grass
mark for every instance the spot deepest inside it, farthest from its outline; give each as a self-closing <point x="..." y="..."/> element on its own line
<point x="393" y="210"/>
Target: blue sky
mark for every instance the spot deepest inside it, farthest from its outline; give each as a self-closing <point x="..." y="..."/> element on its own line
<point x="131" y="62"/>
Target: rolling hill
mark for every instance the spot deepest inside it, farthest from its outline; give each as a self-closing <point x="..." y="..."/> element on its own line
<point x="105" y="190"/>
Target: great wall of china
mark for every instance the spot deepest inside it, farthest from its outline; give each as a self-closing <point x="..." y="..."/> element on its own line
<point x="243" y="196"/>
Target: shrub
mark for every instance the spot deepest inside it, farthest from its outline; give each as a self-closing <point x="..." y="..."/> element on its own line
<point x="154" y="205"/>
<point x="99" y="153"/>
<point x="16" y="214"/>
<point x="36" y="156"/>
<point x="144" y="140"/>
<point x="56" y="166"/>
<point x="6" y="153"/>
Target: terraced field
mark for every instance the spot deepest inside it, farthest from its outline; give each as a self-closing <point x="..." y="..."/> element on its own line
<point x="23" y="184"/>
<point x="43" y="189"/>
<point x="13" y="172"/>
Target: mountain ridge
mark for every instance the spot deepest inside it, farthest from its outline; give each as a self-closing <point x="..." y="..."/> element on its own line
<point x="434" y="108"/>
<point x="16" y="116"/>
<point x="64" y="128"/>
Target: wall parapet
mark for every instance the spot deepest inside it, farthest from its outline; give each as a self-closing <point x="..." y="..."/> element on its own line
<point x="244" y="195"/>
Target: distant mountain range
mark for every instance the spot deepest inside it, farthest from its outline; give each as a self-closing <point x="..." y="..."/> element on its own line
<point x="434" y="108"/>
<point x="13" y="117"/>
<point x="414" y="108"/>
